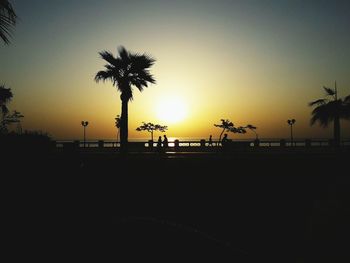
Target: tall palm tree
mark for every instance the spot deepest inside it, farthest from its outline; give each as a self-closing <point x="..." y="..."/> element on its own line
<point x="329" y="109"/>
<point x="7" y="20"/>
<point x="126" y="70"/>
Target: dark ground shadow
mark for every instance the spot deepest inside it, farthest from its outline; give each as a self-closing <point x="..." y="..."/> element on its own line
<point x="242" y="208"/>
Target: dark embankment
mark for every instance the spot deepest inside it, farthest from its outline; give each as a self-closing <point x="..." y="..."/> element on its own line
<point x="240" y="207"/>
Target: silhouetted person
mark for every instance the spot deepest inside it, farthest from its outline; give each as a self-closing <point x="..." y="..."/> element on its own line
<point x="210" y="140"/>
<point x="159" y="144"/>
<point x="165" y="142"/>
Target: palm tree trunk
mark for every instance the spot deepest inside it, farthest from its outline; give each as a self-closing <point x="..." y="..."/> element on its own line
<point x="336" y="131"/>
<point x="220" y="137"/>
<point x="124" y="126"/>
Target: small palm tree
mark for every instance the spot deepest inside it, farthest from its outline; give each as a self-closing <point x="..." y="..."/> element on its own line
<point x="126" y="70"/>
<point x="329" y="109"/>
<point x="227" y="125"/>
<point x="7" y="20"/>
<point x="150" y="127"/>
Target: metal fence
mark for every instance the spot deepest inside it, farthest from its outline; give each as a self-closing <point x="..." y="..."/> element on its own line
<point x="203" y="145"/>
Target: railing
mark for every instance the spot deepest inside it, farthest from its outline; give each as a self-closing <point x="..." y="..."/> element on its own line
<point x="201" y="145"/>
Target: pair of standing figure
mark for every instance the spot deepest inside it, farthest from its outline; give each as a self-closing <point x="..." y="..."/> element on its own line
<point x="165" y="142"/>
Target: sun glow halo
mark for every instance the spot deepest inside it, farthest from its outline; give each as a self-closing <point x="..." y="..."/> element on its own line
<point x="171" y="110"/>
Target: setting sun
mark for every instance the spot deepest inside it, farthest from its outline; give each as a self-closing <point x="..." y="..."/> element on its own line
<point x="171" y="110"/>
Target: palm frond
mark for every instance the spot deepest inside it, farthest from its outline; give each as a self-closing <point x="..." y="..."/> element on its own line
<point x="8" y="19"/>
<point x="325" y="113"/>
<point x="140" y="62"/>
<point x="146" y="75"/>
<point x="327" y="110"/>
<point x="139" y="83"/>
<point x="126" y="70"/>
<point x="251" y="127"/>
<point x="318" y="102"/>
<point x="104" y="75"/>
<point x="329" y="91"/>
<point x="108" y="56"/>
<point x="124" y="54"/>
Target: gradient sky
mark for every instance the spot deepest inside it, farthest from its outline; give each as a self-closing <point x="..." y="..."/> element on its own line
<point x="256" y="62"/>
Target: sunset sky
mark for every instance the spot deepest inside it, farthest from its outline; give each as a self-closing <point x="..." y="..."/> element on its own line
<point x="253" y="62"/>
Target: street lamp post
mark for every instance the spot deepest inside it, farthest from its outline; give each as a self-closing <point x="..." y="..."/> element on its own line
<point x="84" y="124"/>
<point x="291" y="122"/>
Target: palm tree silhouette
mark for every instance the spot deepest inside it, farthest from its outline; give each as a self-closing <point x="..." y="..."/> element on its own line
<point x="7" y="20"/>
<point x="329" y="109"/>
<point x="252" y="128"/>
<point x="5" y="97"/>
<point x="126" y="70"/>
<point x="150" y="127"/>
<point x="14" y="117"/>
<point x="227" y="125"/>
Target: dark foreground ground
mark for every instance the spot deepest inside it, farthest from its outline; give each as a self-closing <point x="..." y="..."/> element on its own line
<point x="240" y="207"/>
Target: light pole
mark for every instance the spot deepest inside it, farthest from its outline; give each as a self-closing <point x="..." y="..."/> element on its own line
<point x="291" y="122"/>
<point x="84" y="124"/>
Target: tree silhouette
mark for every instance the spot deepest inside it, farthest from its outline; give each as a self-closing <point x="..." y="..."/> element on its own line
<point x="227" y="125"/>
<point x="252" y="128"/>
<point x="150" y="127"/>
<point x="14" y="117"/>
<point x="7" y="20"/>
<point x="329" y="109"/>
<point x="126" y="70"/>
<point x="5" y="97"/>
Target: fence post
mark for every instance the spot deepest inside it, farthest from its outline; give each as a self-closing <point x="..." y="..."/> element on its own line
<point x="283" y="143"/>
<point x="150" y="144"/>
<point x="308" y="143"/>
<point x="176" y="145"/>
<point x="256" y="142"/>
<point x="53" y="145"/>
<point x="76" y="144"/>
<point x="100" y="144"/>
